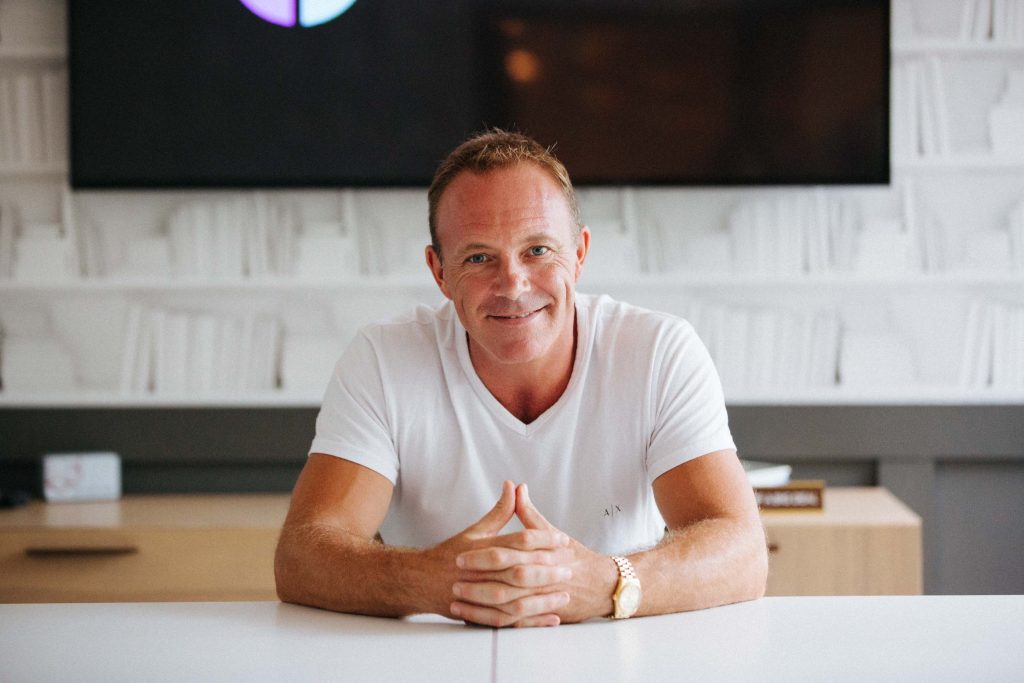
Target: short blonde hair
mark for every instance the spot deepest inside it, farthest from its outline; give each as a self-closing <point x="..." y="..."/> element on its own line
<point x="491" y="149"/>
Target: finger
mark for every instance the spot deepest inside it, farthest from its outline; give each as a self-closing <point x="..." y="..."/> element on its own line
<point x="542" y="620"/>
<point x="488" y="616"/>
<point x="492" y="558"/>
<point x="528" y="514"/>
<point x="498" y="516"/>
<point x="532" y="539"/>
<point x="521" y="575"/>
<point x="510" y="612"/>
<point x="489" y="593"/>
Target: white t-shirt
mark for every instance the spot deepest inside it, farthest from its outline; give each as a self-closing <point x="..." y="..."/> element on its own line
<point x="405" y="401"/>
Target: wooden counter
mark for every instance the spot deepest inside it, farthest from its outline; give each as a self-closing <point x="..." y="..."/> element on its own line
<point x="221" y="547"/>
<point x="142" y="548"/>
<point x="864" y="542"/>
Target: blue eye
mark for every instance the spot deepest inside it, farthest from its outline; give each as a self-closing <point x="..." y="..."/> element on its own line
<point x="476" y="258"/>
<point x="538" y="251"/>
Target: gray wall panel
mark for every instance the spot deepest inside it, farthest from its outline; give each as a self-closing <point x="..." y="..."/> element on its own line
<point x="980" y="510"/>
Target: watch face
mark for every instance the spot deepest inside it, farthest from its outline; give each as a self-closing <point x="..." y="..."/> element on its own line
<point x="629" y="598"/>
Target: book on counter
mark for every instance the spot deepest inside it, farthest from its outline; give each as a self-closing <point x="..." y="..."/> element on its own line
<point x="796" y="495"/>
<point x="766" y="473"/>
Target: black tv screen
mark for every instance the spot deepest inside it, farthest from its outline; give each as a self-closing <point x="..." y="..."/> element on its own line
<point x="274" y="93"/>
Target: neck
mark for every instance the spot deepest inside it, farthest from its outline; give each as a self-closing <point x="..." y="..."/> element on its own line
<point x="527" y="390"/>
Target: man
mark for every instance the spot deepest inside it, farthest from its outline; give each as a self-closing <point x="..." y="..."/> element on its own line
<point x="610" y="418"/>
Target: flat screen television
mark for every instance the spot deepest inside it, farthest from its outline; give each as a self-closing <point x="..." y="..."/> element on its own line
<point x="321" y="93"/>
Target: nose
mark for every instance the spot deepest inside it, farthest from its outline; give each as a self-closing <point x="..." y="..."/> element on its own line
<point x="512" y="279"/>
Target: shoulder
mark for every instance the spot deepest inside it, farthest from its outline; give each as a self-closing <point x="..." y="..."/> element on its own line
<point x="414" y="330"/>
<point x="621" y="323"/>
<point x="411" y="348"/>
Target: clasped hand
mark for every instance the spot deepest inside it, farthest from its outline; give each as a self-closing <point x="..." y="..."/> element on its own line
<point x="535" y="577"/>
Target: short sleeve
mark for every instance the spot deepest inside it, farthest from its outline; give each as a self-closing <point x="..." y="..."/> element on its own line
<point x="689" y="413"/>
<point x="352" y="423"/>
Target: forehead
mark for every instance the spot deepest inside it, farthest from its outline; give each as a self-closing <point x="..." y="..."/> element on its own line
<point x="500" y="202"/>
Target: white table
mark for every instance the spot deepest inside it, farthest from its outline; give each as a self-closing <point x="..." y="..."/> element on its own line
<point x="935" y="638"/>
<point x="231" y="641"/>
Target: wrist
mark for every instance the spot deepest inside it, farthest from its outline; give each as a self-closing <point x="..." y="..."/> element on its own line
<point x="435" y="574"/>
<point x="593" y="586"/>
<point x="610" y="581"/>
<point x="600" y="580"/>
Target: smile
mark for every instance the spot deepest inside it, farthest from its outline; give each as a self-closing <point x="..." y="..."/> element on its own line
<point x="520" y="317"/>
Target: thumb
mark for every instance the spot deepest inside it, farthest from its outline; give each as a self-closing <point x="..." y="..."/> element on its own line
<point x="498" y="516"/>
<point x="528" y="514"/>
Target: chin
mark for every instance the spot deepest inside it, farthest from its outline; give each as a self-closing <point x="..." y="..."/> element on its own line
<point x="517" y="355"/>
<point x="508" y="352"/>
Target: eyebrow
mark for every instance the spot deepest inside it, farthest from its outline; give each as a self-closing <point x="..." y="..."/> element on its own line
<point x="473" y="246"/>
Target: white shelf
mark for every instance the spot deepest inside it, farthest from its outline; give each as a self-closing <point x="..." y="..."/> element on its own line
<point x="33" y="53"/>
<point x="917" y="396"/>
<point x="371" y="285"/>
<point x="48" y="169"/>
<point x="947" y="46"/>
<point x="961" y="162"/>
<point x="366" y="285"/>
<point x="833" y="280"/>
<point x="112" y="399"/>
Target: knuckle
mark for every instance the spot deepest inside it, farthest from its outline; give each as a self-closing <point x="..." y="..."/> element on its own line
<point x="559" y="600"/>
<point x="520" y="574"/>
<point x="540" y="538"/>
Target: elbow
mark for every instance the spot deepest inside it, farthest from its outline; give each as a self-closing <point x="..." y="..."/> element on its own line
<point x="759" y="564"/>
<point x="752" y="574"/>
<point x="281" y="587"/>
<point x="759" y="583"/>
<point x="284" y="575"/>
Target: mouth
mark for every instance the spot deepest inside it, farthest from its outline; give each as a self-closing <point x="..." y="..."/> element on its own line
<point x="516" y="317"/>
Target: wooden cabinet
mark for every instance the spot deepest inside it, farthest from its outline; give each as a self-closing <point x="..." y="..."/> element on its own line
<point x="864" y="542"/>
<point x="142" y="548"/>
<point x="221" y="547"/>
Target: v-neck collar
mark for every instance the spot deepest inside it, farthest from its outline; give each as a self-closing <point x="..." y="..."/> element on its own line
<point x="495" y="406"/>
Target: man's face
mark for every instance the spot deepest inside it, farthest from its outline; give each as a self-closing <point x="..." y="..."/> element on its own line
<point x="511" y="262"/>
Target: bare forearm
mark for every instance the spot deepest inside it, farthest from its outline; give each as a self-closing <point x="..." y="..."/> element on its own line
<point x="713" y="562"/>
<point x="327" y="567"/>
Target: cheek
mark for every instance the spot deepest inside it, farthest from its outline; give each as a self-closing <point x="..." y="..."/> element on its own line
<point x="563" y="270"/>
<point x="468" y="285"/>
<point x="553" y="280"/>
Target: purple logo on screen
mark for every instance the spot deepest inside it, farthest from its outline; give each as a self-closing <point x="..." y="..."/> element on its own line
<point x="303" y="13"/>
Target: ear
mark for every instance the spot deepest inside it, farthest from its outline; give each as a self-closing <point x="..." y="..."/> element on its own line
<point x="582" y="247"/>
<point x="436" y="269"/>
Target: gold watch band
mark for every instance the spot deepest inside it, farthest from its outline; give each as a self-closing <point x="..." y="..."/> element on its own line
<point x="626" y="570"/>
<point x="626" y="599"/>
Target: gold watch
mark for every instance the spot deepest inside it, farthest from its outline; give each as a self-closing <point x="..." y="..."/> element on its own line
<point x="626" y="597"/>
